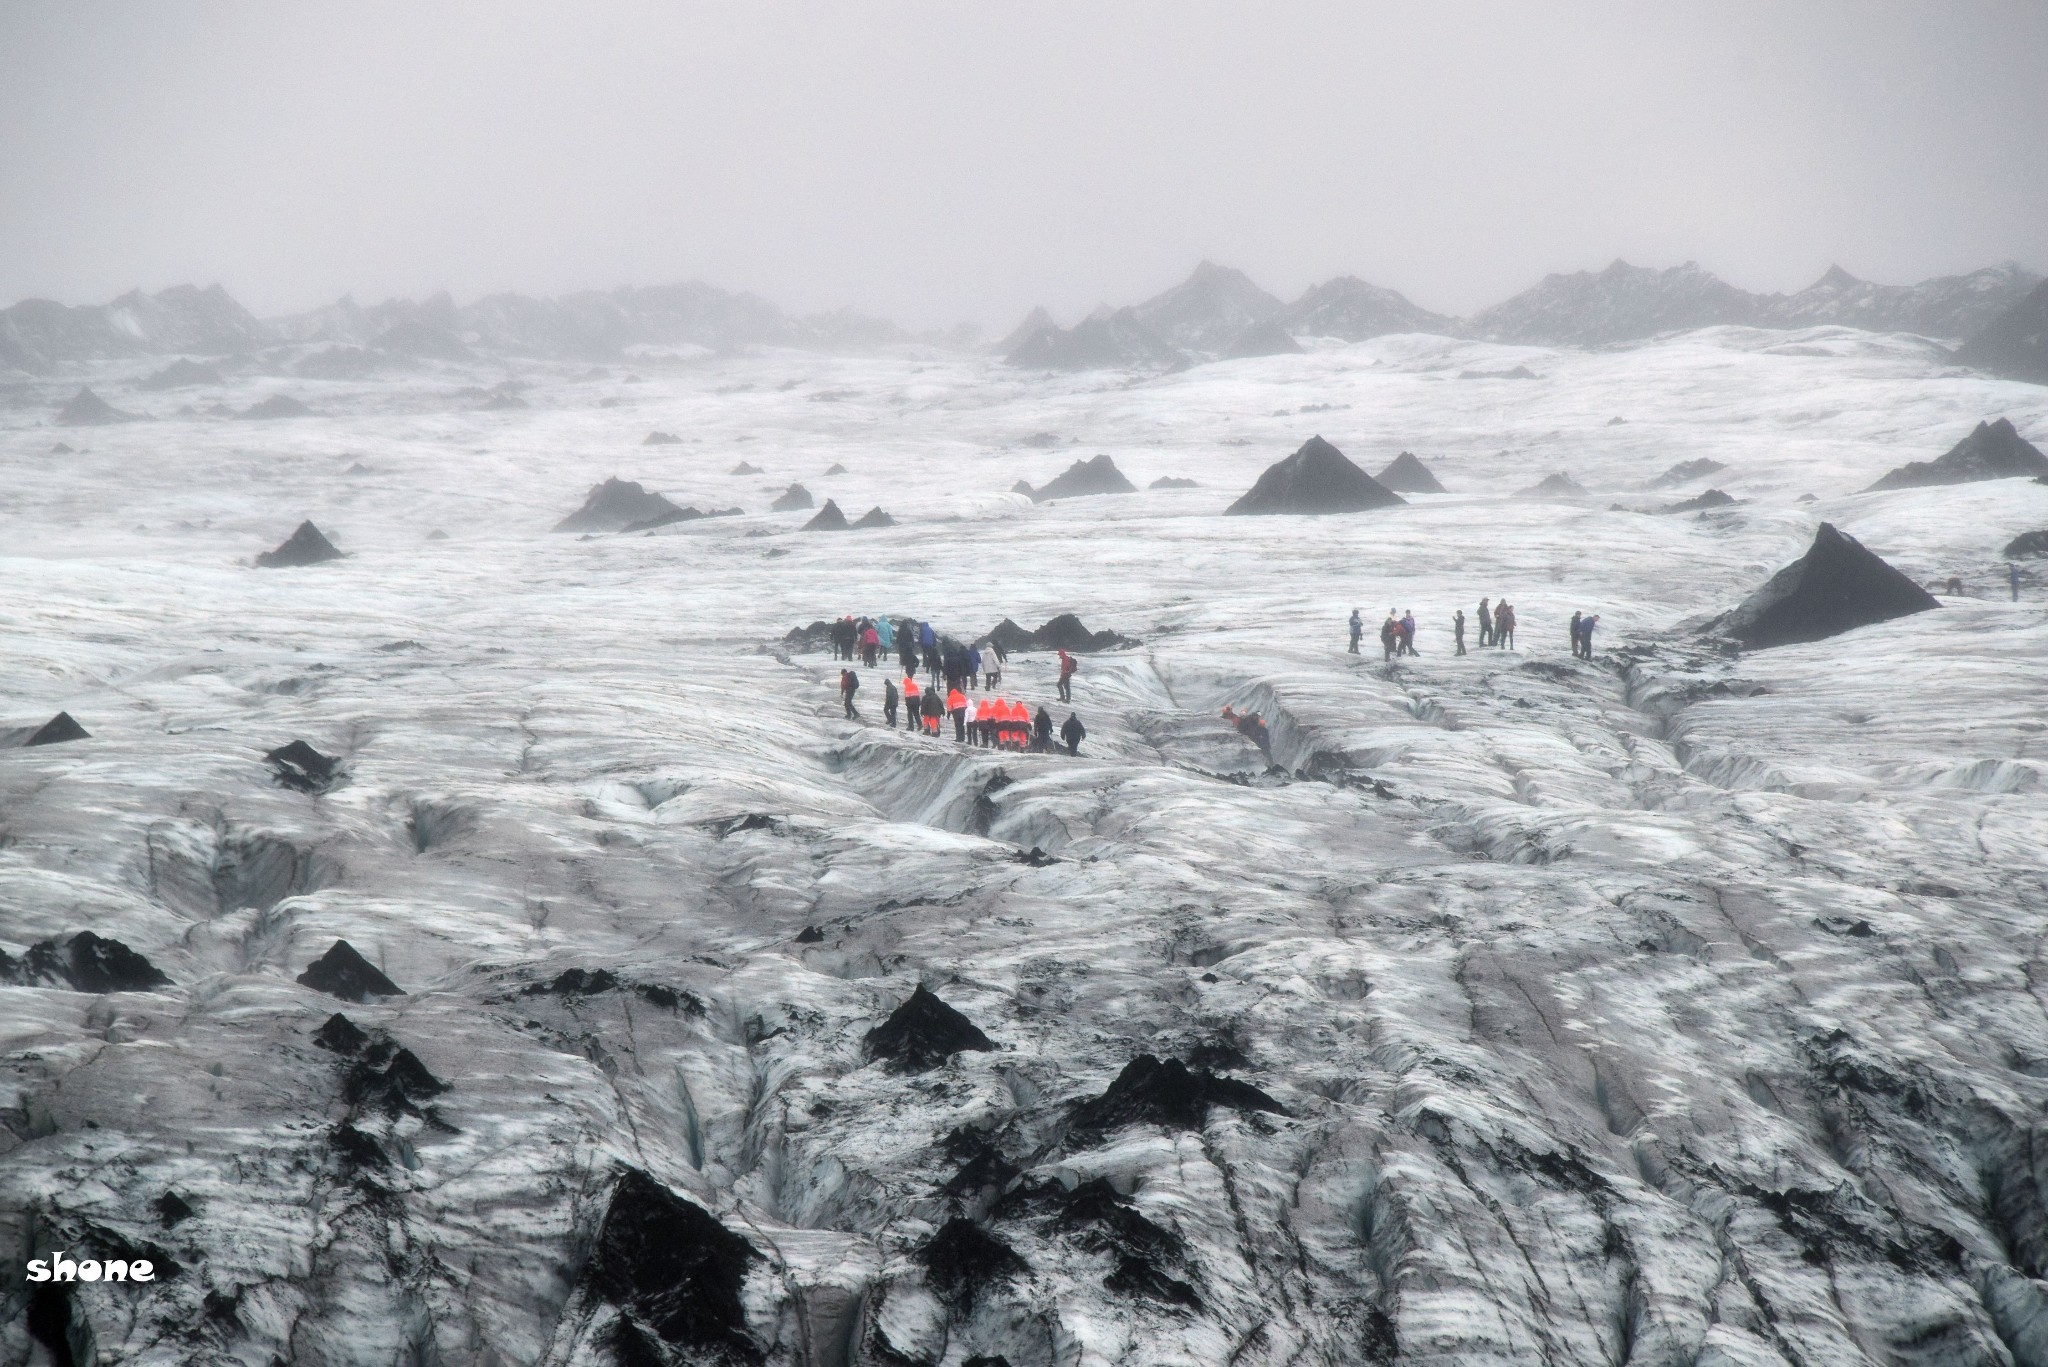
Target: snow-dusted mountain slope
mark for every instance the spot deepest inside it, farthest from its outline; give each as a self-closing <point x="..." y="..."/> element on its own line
<point x="1665" y="1008"/>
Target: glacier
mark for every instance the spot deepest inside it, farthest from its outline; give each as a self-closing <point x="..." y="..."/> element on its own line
<point x="1672" y="1007"/>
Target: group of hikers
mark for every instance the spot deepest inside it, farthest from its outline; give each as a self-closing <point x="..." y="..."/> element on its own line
<point x="1496" y="629"/>
<point x="952" y="671"/>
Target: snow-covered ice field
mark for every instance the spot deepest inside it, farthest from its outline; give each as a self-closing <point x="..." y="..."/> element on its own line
<point x="1617" y="1017"/>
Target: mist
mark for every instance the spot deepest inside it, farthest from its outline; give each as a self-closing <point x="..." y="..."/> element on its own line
<point x="936" y="163"/>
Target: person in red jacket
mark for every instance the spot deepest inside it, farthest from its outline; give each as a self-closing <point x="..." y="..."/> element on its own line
<point x="1067" y="668"/>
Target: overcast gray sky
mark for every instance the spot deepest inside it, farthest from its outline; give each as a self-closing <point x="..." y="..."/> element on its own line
<point x="936" y="162"/>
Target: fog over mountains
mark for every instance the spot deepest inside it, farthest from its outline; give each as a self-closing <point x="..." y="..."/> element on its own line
<point x="1217" y="312"/>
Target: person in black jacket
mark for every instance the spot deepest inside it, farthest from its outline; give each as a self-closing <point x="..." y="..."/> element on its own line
<point x="1041" y="731"/>
<point x="889" y="702"/>
<point x="1073" y="733"/>
<point x="849" y="684"/>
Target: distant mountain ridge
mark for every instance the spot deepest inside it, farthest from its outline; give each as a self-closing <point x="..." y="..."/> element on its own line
<point x="1203" y="317"/>
<point x="38" y="335"/>
<point x="1217" y="312"/>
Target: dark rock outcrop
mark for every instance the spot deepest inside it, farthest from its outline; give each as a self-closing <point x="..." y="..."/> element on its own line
<point x="2014" y="344"/>
<point x="342" y="972"/>
<point x="1064" y="632"/>
<point x="303" y="769"/>
<point x="1164" y="1092"/>
<point x="1082" y="479"/>
<point x="922" y="1034"/>
<point x="1712" y="498"/>
<point x="1318" y="478"/>
<point x="277" y="406"/>
<point x="306" y="546"/>
<point x="340" y="1035"/>
<point x="963" y="1261"/>
<point x="2027" y="546"/>
<point x="828" y="519"/>
<point x="1261" y="339"/>
<point x="1685" y="472"/>
<point x="661" y="439"/>
<point x="836" y="469"/>
<point x="86" y="962"/>
<point x="1837" y="586"/>
<point x="614" y="506"/>
<point x="56" y="731"/>
<point x="1172" y="482"/>
<point x="182" y="373"/>
<point x="794" y="499"/>
<point x="1520" y="372"/>
<point x="87" y="409"/>
<point x="1559" y="485"/>
<point x="674" y="1272"/>
<point x="1995" y="450"/>
<point x="743" y="468"/>
<point x="1407" y="475"/>
<point x="874" y="517"/>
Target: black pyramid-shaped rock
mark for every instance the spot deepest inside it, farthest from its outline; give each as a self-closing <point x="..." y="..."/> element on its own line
<point x="1712" y="498"/>
<point x="674" y="1271"/>
<point x="2014" y="344"/>
<point x="343" y="973"/>
<point x="1165" y="1092"/>
<point x="306" y="546"/>
<point x="875" y="517"/>
<point x="1407" y="475"/>
<point x="1995" y="450"/>
<point x="1082" y="478"/>
<point x="91" y="963"/>
<point x="87" y="409"/>
<point x="828" y="519"/>
<point x="1835" y="587"/>
<point x="300" y="767"/>
<point x="613" y="505"/>
<point x="57" y="730"/>
<point x="1559" y="485"/>
<point x="923" y="1033"/>
<point x="1316" y="479"/>
<point x="794" y="499"/>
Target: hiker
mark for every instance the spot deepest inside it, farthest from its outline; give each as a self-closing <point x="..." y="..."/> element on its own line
<point x="1020" y="727"/>
<point x="870" y="644"/>
<point x="1485" y="624"/>
<point x="1578" y="647"/>
<point x="849" y="684"/>
<point x="1458" y="630"/>
<point x="1252" y="727"/>
<point x="956" y="703"/>
<point x="906" y="652"/>
<point x="885" y="635"/>
<point x="1357" y="630"/>
<point x="1066" y="685"/>
<point x="1041" y="731"/>
<point x="1073" y="733"/>
<point x="934" y="711"/>
<point x="992" y="666"/>
<point x="1408" y="631"/>
<point x="1504" y="626"/>
<point x="974" y="666"/>
<point x="913" y="712"/>
<point x="1586" y="635"/>
<point x="889" y="702"/>
<point x="1390" y="634"/>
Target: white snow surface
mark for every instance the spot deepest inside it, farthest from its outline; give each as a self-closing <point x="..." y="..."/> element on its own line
<point x="1624" y="1021"/>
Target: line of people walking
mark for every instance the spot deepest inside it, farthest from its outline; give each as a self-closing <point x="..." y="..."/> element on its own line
<point x="952" y="672"/>
<point x="1496" y="623"/>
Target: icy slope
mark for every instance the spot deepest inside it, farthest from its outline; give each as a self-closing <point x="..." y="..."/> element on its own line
<point x="1667" y="1008"/>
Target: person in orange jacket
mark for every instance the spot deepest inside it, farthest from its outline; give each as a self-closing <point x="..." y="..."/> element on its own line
<point x="956" y="703"/>
<point x="913" y="714"/>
